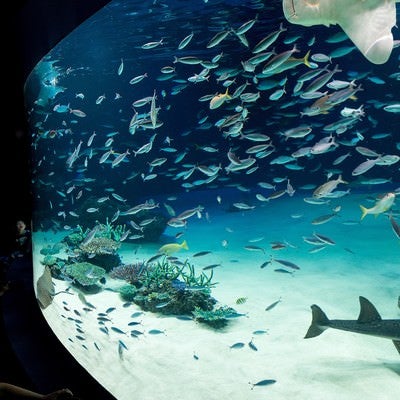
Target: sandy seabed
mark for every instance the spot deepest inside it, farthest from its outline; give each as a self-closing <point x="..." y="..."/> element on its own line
<point x="192" y="361"/>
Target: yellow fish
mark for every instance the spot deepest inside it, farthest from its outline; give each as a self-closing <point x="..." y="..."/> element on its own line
<point x="381" y="205"/>
<point x="173" y="248"/>
<point x="219" y="99"/>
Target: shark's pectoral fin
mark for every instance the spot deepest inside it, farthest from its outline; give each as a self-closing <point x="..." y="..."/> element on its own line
<point x="397" y="344"/>
<point x="369" y="27"/>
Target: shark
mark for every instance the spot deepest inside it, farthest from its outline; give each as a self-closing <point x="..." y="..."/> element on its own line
<point x="368" y="23"/>
<point x="369" y="322"/>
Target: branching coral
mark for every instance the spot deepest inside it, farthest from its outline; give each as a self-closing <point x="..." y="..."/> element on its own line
<point x="110" y="231"/>
<point x="192" y="281"/>
<point x="164" y="270"/>
<point x="131" y="273"/>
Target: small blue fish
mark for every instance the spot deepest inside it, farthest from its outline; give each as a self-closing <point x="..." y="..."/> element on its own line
<point x="178" y="285"/>
<point x="133" y="323"/>
<point x="137" y="314"/>
<point x="136" y="333"/>
<point x="155" y="332"/>
<point x="264" y="382"/>
<point x="260" y="332"/>
<point x="238" y="345"/>
<point x="252" y="345"/>
<point x="123" y="344"/>
<point x="163" y="304"/>
<point x="115" y="329"/>
<point x="184" y="317"/>
<point x="121" y="347"/>
<point x="104" y="329"/>
<point x="273" y="305"/>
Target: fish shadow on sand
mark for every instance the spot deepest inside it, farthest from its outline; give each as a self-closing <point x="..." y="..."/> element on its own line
<point x="393" y="366"/>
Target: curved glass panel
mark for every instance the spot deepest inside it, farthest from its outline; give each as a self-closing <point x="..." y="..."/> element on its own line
<point x="203" y="173"/>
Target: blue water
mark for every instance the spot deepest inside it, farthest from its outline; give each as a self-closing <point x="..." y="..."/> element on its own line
<point x="77" y="93"/>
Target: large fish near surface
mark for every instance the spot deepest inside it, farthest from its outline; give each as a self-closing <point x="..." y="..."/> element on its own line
<point x="219" y="99"/>
<point x="170" y="248"/>
<point x="369" y="322"/>
<point x="381" y="205"/>
<point x="328" y="187"/>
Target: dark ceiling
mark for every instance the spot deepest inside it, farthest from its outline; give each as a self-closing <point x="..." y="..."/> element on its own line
<point x="31" y="29"/>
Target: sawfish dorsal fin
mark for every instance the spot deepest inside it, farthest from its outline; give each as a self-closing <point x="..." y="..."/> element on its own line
<point x="397" y="344"/>
<point x="368" y="312"/>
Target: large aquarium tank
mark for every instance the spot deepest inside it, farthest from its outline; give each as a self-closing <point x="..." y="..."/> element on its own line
<point x="216" y="184"/>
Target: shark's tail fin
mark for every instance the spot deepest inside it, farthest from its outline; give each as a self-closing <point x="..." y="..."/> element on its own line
<point x="319" y="322"/>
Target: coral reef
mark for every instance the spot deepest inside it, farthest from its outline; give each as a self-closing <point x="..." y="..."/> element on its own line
<point x="85" y="274"/>
<point x="75" y="238"/>
<point x="51" y="249"/>
<point x="166" y="286"/>
<point x="216" y="318"/>
<point x="106" y="261"/>
<point x="172" y="288"/>
<point x="131" y="273"/>
<point x="110" y="231"/>
<point x="100" y="246"/>
<point x="128" y="292"/>
<point x="164" y="298"/>
<point x="102" y="252"/>
<point x="49" y="260"/>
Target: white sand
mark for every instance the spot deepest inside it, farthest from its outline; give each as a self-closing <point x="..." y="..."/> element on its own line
<point x="335" y="365"/>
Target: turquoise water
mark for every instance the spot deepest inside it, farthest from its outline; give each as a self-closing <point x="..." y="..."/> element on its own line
<point x="186" y="192"/>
